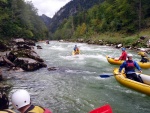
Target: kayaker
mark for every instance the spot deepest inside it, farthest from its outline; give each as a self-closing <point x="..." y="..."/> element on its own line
<point x="4" y="103"/>
<point x="76" y="49"/>
<point x="21" y="101"/>
<point x="144" y="56"/>
<point x="123" y="55"/>
<point x="129" y="66"/>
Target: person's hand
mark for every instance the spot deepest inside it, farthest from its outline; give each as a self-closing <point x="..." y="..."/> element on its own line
<point x="140" y="71"/>
<point x="116" y="59"/>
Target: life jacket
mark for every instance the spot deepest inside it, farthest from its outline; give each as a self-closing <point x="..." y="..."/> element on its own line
<point x="7" y="111"/>
<point x="129" y="66"/>
<point x="123" y="56"/>
<point x="143" y="59"/>
<point x="37" y="109"/>
<point x="76" y="50"/>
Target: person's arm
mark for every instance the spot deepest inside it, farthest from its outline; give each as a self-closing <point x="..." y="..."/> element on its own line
<point x="124" y="55"/>
<point x="120" y="58"/>
<point x="137" y="66"/>
<point x="122" y="66"/>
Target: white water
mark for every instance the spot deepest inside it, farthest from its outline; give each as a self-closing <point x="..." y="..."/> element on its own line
<point x="75" y="87"/>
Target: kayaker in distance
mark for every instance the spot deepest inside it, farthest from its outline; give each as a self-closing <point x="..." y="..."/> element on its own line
<point x="144" y="56"/>
<point x="123" y="55"/>
<point x="4" y="103"/>
<point x="21" y="101"/>
<point x="76" y="49"/>
<point x="129" y="66"/>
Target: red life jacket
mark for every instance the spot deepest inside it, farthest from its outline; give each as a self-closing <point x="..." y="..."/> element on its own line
<point x="129" y="66"/>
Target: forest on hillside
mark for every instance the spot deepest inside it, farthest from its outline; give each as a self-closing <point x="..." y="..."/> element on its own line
<point x="122" y="16"/>
<point x="80" y="19"/>
<point x="19" y="19"/>
<point x="70" y="9"/>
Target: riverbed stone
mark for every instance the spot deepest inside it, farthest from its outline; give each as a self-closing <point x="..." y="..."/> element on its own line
<point x="28" y="64"/>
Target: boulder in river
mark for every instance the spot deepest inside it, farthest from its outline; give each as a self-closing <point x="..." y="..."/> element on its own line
<point x="28" y="64"/>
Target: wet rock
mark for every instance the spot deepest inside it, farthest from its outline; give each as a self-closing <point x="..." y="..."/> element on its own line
<point x="52" y="68"/>
<point x="143" y="37"/>
<point x="21" y="56"/>
<point x="18" y="40"/>
<point x="30" y="42"/>
<point x="35" y="56"/>
<point x="80" y="40"/>
<point x="3" y="47"/>
<point x="17" y="69"/>
<point x="4" y="87"/>
<point x="27" y="54"/>
<point x="148" y="43"/>
<point x="11" y="56"/>
<point x="29" y="64"/>
<point x="21" y="41"/>
<point x="1" y="76"/>
<point x="90" y="42"/>
<point x="2" y="62"/>
<point x="61" y="40"/>
<point x="23" y="46"/>
<point x="119" y="46"/>
<point x="39" y="47"/>
<point x="8" y="61"/>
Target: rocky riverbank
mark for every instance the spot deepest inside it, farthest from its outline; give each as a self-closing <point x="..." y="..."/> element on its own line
<point x="141" y="42"/>
<point x="19" y="55"/>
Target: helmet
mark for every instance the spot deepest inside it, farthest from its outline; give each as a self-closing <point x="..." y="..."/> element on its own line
<point x="123" y="49"/>
<point x="129" y="55"/>
<point x="20" y="98"/>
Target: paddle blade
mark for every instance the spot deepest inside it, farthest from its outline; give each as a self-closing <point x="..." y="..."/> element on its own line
<point x="106" y="75"/>
<point x="103" y="109"/>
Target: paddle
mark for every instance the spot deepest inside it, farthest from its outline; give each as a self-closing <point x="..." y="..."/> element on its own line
<point x="109" y="75"/>
<point x="106" y="75"/>
<point x="114" y="53"/>
<point x="103" y="109"/>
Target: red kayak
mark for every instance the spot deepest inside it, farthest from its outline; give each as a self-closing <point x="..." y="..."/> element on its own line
<point x="103" y="109"/>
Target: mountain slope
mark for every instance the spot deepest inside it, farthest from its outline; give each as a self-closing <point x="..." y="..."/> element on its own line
<point x="70" y="9"/>
<point x="46" y="20"/>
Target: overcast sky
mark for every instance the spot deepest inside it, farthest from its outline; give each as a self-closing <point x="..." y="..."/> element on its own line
<point x="48" y="7"/>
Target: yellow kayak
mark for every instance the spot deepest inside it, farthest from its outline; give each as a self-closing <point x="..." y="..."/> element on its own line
<point x="140" y="87"/>
<point x="75" y="52"/>
<point x="114" y="61"/>
<point x="144" y="65"/>
<point x="119" y="62"/>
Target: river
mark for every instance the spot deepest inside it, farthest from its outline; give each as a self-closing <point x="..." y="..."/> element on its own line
<point x="75" y="87"/>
